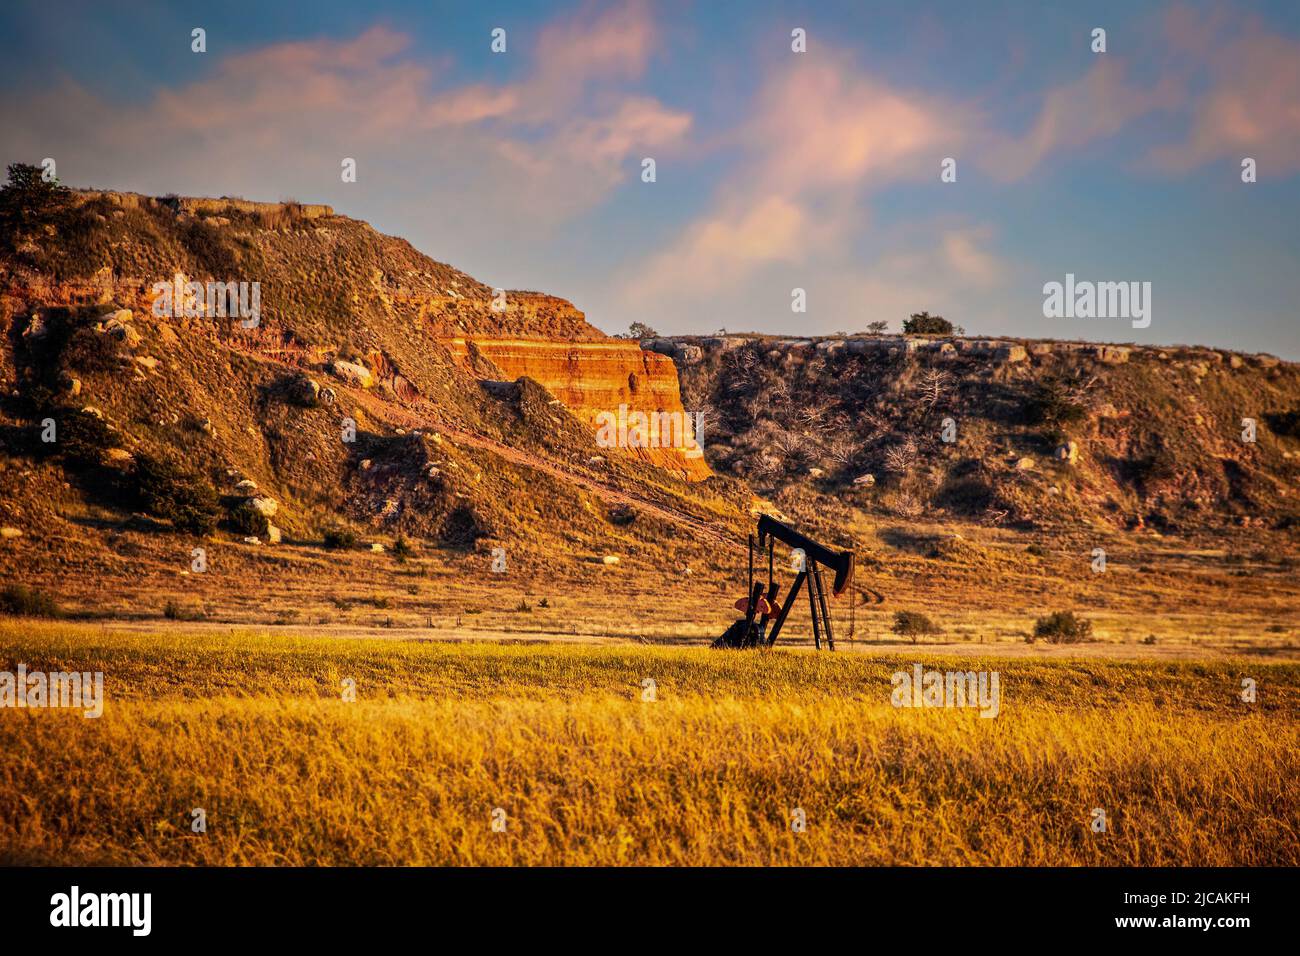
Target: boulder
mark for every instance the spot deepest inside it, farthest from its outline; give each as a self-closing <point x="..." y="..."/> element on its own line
<point x="8" y="532"/>
<point x="1041" y="348"/>
<point x="264" y="506"/>
<point x="1025" y="464"/>
<point x="1111" y="354"/>
<point x="247" y="486"/>
<point x="609" y="559"/>
<point x="353" y="373"/>
<point x="327" y="395"/>
<point x="1010" y="354"/>
<point x="865" y="481"/>
<point x="690" y="354"/>
<point x="272" y="534"/>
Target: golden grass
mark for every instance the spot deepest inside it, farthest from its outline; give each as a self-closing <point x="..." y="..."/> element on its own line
<point x="250" y="726"/>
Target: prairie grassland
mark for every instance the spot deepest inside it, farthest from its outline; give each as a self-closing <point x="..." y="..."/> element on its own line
<point x="250" y="727"/>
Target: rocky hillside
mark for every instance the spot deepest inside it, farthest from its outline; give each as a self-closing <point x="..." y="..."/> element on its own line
<point x="1022" y="433"/>
<point x="384" y="396"/>
<point x="359" y="404"/>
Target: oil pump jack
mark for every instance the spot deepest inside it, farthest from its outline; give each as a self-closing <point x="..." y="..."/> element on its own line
<point x="809" y="559"/>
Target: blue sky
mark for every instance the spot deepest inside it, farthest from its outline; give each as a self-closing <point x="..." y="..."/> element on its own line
<point x="775" y="169"/>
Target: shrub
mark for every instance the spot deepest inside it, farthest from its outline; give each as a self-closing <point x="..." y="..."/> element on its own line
<point x="1052" y="404"/>
<point x="176" y="612"/>
<point x="923" y="323"/>
<point x="245" y="521"/>
<point x="1285" y="423"/>
<point x="402" y="549"/>
<point x="182" y="497"/>
<point x="913" y="624"/>
<point x="22" y="601"/>
<point x="80" y="438"/>
<point x="340" y="539"/>
<point x="1063" y="627"/>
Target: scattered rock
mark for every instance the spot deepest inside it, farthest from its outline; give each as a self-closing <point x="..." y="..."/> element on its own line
<point x="815" y="472"/>
<point x="247" y="486"/>
<point x="327" y="395"/>
<point x="1235" y="361"/>
<point x="272" y="534"/>
<point x="252" y="539"/>
<point x="609" y="559"/>
<point x="353" y="373"/>
<point x="118" y="325"/>
<point x="1111" y="354"/>
<point x="865" y="480"/>
<point x="8" y="532"/>
<point x="1041" y="348"/>
<point x="304" y="391"/>
<point x="93" y="412"/>
<point x="1010" y="354"/>
<point x="1068" y="452"/>
<point x="118" y="454"/>
<point x="148" y="361"/>
<point x="690" y="354"/>
<point x="1025" y="464"/>
<point x="377" y="547"/>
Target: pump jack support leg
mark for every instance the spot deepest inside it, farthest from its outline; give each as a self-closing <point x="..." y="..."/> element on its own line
<point x="785" y="608"/>
<point x="821" y="600"/>
<point x="812" y="604"/>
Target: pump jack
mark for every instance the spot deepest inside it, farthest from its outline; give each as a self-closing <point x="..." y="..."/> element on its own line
<point x="811" y="558"/>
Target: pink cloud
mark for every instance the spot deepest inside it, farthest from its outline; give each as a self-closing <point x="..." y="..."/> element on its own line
<point x="822" y="124"/>
<point x="1251" y="105"/>
<point x="1096" y="106"/>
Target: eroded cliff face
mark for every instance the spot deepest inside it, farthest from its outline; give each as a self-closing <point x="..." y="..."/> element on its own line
<point x="605" y="384"/>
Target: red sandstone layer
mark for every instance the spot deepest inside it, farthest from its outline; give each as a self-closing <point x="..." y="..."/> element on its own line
<point x="597" y="379"/>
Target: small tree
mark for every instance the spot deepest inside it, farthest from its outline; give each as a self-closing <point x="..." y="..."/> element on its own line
<point x="639" y="330"/>
<point x="1063" y="627"/>
<point x="923" y="323"/>
<point x="29" y="202"/>
<point x="913" y="624"/>
<point x="879" y="327"/>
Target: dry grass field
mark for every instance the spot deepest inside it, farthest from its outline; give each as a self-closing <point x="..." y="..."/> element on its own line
<point x="250" y="726"/>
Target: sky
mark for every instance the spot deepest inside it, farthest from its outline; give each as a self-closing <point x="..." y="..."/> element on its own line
<point x="774" y="170"/>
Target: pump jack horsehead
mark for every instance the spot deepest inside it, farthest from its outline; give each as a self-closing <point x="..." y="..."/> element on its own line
<point x="811" y="558"/>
